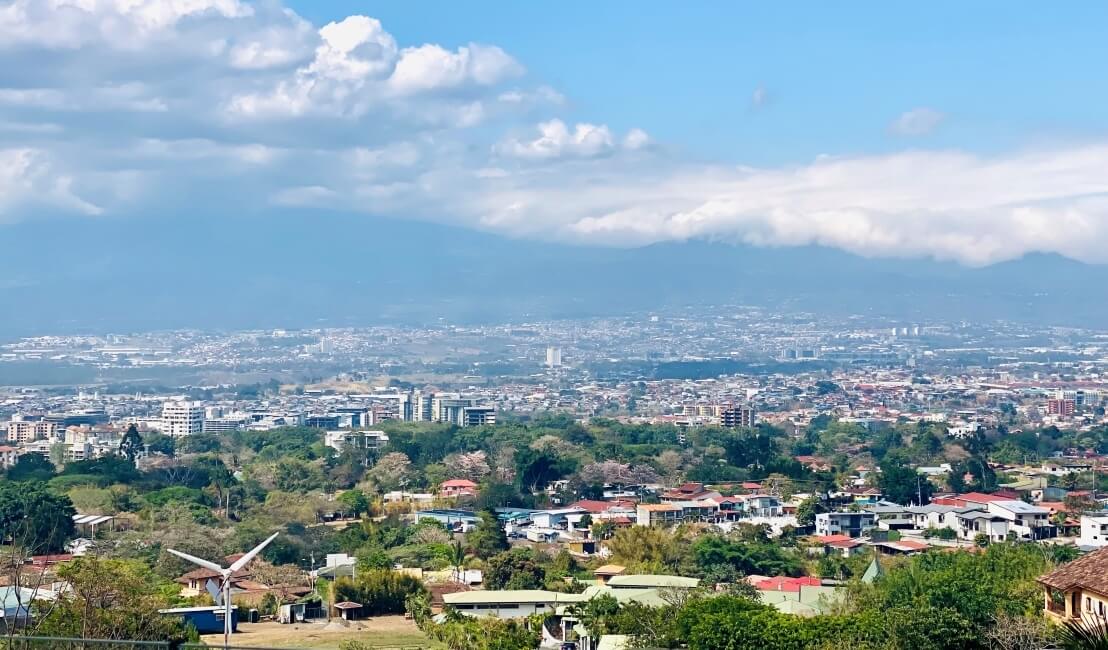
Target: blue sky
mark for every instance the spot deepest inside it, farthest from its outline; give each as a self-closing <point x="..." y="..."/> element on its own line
<point x="974" y="132"/>
<point x="836" y="75"/>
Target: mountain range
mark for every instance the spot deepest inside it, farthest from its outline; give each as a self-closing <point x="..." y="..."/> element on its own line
<point x="312" y="270"/>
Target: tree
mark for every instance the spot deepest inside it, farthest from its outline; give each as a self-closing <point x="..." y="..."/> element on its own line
<point x="392" y="472"/>
<point x="748" y="558"/>
<point x="379" y="592"/>
<point x="648" y="549"/>
<point x="489" y="537"/>
<point x="111" y="599"/>
<point x="31" y="467"/>
<point x="355" y="501"/>
<point x="808" y="509"/>
<point x="901" y="484"/>
<point x="514" y="569"/>
<point x="603" y="529"/>
<point x="295" y="475"/>
<point x="472" y="466"/>
<point x="131" y="444"/>
<point x="611" y="472"/>
<point x="34" y="518"/>
<point x="280" y="578"/>
<point x="457" y="558"/>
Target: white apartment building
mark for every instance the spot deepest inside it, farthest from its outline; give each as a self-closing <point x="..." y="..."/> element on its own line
<point x="553" y="357"/>
<point x="343" y="438"/>
<point x="182" y="418"/>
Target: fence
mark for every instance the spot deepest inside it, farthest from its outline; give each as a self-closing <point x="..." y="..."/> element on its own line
<point x="58" y="643"/>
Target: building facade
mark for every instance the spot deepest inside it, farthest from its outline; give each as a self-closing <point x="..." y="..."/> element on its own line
<point x="182" y="419"/>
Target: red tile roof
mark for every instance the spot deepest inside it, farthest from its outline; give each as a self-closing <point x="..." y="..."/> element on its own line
<point x="791" y="585"/>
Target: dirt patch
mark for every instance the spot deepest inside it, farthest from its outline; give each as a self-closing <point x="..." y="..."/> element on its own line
<point x="393" y="632"/>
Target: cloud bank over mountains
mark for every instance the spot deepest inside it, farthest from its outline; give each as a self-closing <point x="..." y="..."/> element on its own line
<point x="140" y="107"/>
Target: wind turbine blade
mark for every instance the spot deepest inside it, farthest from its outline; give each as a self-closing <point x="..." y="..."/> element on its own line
<point x="215" y="591"/>
<point x="245" y="559"/>
<point x="198" y="562"/>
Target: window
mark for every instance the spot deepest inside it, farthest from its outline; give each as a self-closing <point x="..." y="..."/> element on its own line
<point x="1100" y="607"/>
<point x="1088" y="604"/>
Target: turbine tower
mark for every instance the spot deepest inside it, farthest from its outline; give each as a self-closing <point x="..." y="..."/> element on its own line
<point x="225" y="587"/>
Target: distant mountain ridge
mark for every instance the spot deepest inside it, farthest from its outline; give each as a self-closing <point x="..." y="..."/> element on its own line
<point x="296" y="270"/>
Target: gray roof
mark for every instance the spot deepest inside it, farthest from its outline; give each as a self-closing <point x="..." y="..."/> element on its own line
<point x="1020" y="507"/>
<point x="978" y="514"/>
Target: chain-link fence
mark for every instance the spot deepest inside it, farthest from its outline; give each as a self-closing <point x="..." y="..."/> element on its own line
<point x="58" y="643"/>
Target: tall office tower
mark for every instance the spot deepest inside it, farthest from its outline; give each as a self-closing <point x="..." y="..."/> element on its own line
<point x="477" y="416"/>
<point x="420" y="403"/>
<point x="553" y="357"/>
<point x="182" y="418"/>
<point x="450" y="408"/>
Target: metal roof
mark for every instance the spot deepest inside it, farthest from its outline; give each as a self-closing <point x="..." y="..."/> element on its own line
<point x="94" y="520"/>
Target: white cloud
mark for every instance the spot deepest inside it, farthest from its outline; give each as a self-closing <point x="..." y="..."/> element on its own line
<point x="916" y="122"/>
<point x="28" y="180"/>
<point x="556" y="140"/>
<point x="121" y="24"/>
<point x="636" y="139"/>
<point x="246" y="106"/>
<point x="430" y="67"/>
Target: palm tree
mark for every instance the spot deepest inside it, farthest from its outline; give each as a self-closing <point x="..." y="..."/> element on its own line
<point x="1084" y="634"/>
<point x="457" y="559"/>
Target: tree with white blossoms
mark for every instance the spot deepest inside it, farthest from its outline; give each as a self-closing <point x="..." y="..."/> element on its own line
<point x="613" y="472"/>
<point x="472" y="466"/>
<point x="393" y="471"/>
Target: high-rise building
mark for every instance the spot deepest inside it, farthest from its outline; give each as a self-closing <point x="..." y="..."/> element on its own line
<point x="478" y="416"/>
<point x="182" y="418"/>
<point x="420" y="404"/>
<point x="450" y="408"/>
<point x="553" y="357"/>
<point x="735" y="416"/>
<point x="1061" y="407"/>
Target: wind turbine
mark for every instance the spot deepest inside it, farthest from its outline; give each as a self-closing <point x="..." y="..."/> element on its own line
<point x="225" y="588"/>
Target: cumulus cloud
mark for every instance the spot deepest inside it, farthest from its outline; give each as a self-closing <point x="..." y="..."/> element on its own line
<point x="918" y="121"/>
<point x="28" y="180"/>
<point x="556" y="141"/>
<point x="109" y="106"/>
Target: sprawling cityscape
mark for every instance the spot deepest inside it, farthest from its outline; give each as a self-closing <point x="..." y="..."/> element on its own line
<point x="564" y="457"/>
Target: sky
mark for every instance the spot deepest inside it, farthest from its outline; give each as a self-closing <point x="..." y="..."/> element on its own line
<point x="973" y="132"/>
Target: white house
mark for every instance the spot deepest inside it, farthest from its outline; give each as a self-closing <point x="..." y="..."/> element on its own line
<point x="1025" y="520"/>
<point x="1094" y="529"/>
<point x="979" y="522"/>
<point x="509" y="603"/>
<point x="854" y="524"/>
